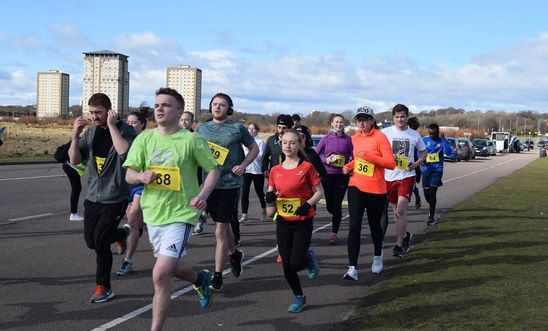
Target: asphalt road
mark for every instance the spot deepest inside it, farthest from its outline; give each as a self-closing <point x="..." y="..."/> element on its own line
<point x="47" y="272"/>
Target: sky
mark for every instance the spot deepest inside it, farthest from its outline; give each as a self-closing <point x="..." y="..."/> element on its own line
<point x="293" y="56"/>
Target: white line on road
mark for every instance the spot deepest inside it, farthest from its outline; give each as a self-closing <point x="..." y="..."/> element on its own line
<point x="27" y="178"/>
<point x="189" y="288"/>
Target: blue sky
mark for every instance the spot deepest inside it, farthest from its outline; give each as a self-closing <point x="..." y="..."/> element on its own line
<point x="293" y="56"/>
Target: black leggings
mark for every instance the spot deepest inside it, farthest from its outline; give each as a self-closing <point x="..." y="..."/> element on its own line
<point x="75" y="187"/>
<point x="258" y="183"/>
<point x="374" y="204"/>
<point x="293" y="243"/>
<point x="335" y="186"/>
<point x="430" y="196"/>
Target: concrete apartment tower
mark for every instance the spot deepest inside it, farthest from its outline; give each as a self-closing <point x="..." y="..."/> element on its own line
<point x="52" y="94"/>
<point x="188" y="82"/>
<point x="106" y="72"/>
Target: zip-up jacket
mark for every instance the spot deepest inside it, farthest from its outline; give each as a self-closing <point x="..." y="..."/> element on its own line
<point x="110" y="185"/>
<point x="372" y="147"/>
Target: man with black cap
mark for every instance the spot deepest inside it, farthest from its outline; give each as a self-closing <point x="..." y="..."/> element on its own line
<point x="273" y="149"/>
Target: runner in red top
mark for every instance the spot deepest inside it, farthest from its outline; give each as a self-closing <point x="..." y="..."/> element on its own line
<point x="294" y="187"/>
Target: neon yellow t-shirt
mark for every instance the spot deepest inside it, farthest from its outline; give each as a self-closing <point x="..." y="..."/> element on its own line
<point x="163" y="202"/>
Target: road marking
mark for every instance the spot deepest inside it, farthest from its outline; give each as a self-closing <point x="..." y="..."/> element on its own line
<point x="189" y="288"/>
<point x="27" y="178"/>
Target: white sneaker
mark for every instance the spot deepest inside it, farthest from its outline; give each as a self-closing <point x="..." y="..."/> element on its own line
<point x="377" y="265"/>
<point x="76" y="217"/>
<point x="199" y="229"/>
<point x="351" y="274"/>
<point x="243" y="218"/>
<point x="263" y="215"/>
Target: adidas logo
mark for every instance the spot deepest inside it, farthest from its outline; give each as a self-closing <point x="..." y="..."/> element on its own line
<point x="172" y="248"/>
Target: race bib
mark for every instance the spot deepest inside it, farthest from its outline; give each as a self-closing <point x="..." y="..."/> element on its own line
<point x="364" y="168"/>
<point x="168" y="178"/>
<point x="338" y="161"/>
<point x="432" y="157"/>
<point x="99" y="162"/>
<point x="402" y="162"/>
<point x="287" y="206"/>
<point x="219" y="152"/>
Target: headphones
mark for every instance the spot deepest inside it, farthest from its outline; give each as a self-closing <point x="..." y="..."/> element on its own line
<point x="227" y="99"/>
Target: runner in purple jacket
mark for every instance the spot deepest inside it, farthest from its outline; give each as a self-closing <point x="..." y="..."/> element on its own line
<point x="335" y="150"/>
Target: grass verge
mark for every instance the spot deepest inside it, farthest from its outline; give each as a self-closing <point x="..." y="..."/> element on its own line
<point x="484" y="267"/>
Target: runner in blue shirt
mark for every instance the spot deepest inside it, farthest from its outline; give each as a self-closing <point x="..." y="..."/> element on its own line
<point x="432" y="168"/>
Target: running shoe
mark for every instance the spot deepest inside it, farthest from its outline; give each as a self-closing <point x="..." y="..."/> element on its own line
<point x="199" y="228"/>
<point x="236" y="260"/>
<point x="243" y="218"/>
<point x="101" y="294"/>
<point x="351" y="274"/>
<point x="333" y="239"/>
<point x="125" y="269"/>
<point x="263" y="216"/>
<point x="279" y="259"/>
<point x="121" y="246"/>
<point x="312" y="265"/>
<point x="399" y="251"/>
<point x="406" y="244"/>
<point x="204" y="294"/>
<point x="297" y="305"/>
<point x="418" y="203"/>
<point x="377" y="265"/>
<point x="216" y="282"/>
<point x="431" y="221"/>
<point x="75" y="217"/>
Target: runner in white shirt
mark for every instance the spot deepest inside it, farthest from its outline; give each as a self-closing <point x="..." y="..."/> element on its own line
<point x="401" y="180"/>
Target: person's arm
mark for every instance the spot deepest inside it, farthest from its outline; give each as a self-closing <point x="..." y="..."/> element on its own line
<point x="266" y="158"/>
<point x="386" y="157"/>
<point x="270" y="205"/>
<point x="75" y="157"/>
<point x="239" y="170"/>
<point x="446" y="147"/>
<point x="121" y="145"/>
<point x="200" y="201"/>
<point x="134" y="177"/>
<point x="320" y="149"/>
<point x="318" y="194"/>
<point x="417" y="163"/>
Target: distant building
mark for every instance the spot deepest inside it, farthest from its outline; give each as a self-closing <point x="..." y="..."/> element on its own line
<point x="188" y="82"/>
<point x="106" y="72"/>
<point x="52" y="94"/>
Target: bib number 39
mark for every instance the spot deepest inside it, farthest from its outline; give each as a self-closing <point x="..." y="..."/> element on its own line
<point x="219" y="152"/>
<point x="168" y="178"/>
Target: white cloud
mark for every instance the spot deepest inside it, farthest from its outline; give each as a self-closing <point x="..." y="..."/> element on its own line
<point x="141" y="41"/>
<point x="69" y="36"/>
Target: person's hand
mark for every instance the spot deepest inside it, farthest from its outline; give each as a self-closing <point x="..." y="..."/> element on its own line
<point x="345" y="170"/>
<point x="148" y="177"/>
<point x="238" y="170"/>
<point x="112" y="117"/>
<point x="270" y="197"/>
<point x="303" y="210"/>
<point x="79" y="125"/>
<point x="198" y="202"/>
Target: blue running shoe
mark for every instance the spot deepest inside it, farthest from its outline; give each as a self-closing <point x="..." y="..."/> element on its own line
<point x="297" y="305"/>
<point x="204" y="294"/>
<point x="312" y="265"/>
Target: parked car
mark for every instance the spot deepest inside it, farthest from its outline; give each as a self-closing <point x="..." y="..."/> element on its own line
<point x="480" y="146"/>
<point x="456" y="152"/>
<point x="528" y="144"/>
<point x="316" y="139"/>
<point x="541" y="143"/>
<point x="491" y="147"/>
<point x="467" y="149"/>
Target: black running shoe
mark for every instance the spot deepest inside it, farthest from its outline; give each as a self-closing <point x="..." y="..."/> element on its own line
<point x="407" y="241"/>
<point x="431" y="221"/>
<point x="236" y="260"/>
<point x="398" y="251"/>
<point x="216" y="282"/>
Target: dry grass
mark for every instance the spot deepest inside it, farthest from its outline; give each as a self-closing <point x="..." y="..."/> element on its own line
<point x="32" y="139"/>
